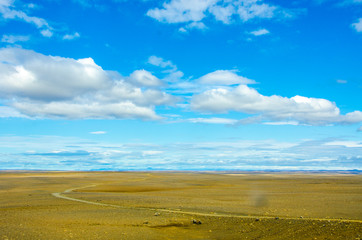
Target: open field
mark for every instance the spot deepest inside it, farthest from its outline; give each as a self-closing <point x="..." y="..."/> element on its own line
<point x="162" y="205"/>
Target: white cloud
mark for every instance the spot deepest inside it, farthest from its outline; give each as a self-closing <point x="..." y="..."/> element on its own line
<point x="151" y="153"/>
<point x="194" y="11"/>
<point x="177" y="11"/>
<point x="348" y="144"/>
<point x="224" y="77"/>
<point x="182" y="29"/>
<point x="260" y="32"/>
<point x="98" y="132"/>
<point x="45" y="86"/>
<point x="70" y="153"/>
<point x="312" y="111"/>
<point x="213" y="120"/>
<point x="294" y="123"/>
<point x="223" y="13"/>
<point x="251" y="9"/>
<point x="196" y="25"/>
<point x="8" y="11"/>
<point x="145" y="78"/>
<point x="345" y="2"/>
<point x="46" y="33"/>
<point x="14" y="38"/>
<point x="71" y="36"/>
<point x="341" y="81"/>
<point x="160" y="62"/>
<point x="170" y="69"/>
<point x="85" y="110"/>
<point x="358" y="25"/>
<point x="8" y="112"/>
<point x="192" y="25"/>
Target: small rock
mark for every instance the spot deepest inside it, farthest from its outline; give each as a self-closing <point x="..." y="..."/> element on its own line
<point x="301" y="217"/>
<point x="257" y="220"/>
<point x="145" y="222"/>
<point x="276" y="218"/>
<point x="157" y="214"/>
<point x="194" y="221"/>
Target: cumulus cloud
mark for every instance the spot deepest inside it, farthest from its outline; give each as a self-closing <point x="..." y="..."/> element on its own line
<point x="8" y="11"/>
<point x="260" y="32"/>
<point x="313" y="111"/>
<point x="145" y="78"/>
<point x="194" y="11"/>
<point x="224" y="77"/>
<point x="45" y="86"/>
<point x="358" y="25"/>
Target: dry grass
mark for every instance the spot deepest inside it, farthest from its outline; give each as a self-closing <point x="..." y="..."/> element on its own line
<point x="29" y="211"/>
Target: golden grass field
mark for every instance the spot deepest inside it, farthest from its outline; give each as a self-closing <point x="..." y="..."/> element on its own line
<point x="163" y="205"/>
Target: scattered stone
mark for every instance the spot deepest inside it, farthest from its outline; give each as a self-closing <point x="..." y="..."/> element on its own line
<point x="194" y="221"/>
<point x="276" y="218"/>
<point x="157" y="214"/>
<point x="257" y="220"/>
<point x="301" y="217"/>
<point x="145" y="222"/>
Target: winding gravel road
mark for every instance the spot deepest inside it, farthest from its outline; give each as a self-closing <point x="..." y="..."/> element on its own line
<point x="61" y="195"/>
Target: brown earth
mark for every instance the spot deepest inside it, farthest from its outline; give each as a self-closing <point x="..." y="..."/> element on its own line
<point x="163" y="205"/>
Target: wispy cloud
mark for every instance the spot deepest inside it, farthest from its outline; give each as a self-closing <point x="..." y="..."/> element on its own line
<point x="260" y="32"/>
<point x="341" y="81"/>
<point x="213" y="120"/>
<point x="14" y="38"/>
<point x="98" y="132"/>
<point x="81" y="154"/>
<point x="71" y="36"/>
<point x="9" y="11"/>
<point x="358" y="25"/>
<point x="194" y="12"/>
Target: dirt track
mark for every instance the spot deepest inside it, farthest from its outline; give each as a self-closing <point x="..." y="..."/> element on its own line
<point x="61" y="195"/>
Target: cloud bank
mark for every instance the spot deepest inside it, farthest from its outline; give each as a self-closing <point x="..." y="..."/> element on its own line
<point x="33" y="85"/>
<point x="42" y="86"/>
<point x="64" y="153"/>
<point x="312" y="111"/>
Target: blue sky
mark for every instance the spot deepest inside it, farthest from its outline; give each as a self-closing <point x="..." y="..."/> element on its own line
<point x="181" y="84"/>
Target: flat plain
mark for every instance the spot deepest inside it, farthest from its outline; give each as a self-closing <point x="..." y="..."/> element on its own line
<point x="179" y="205"/>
